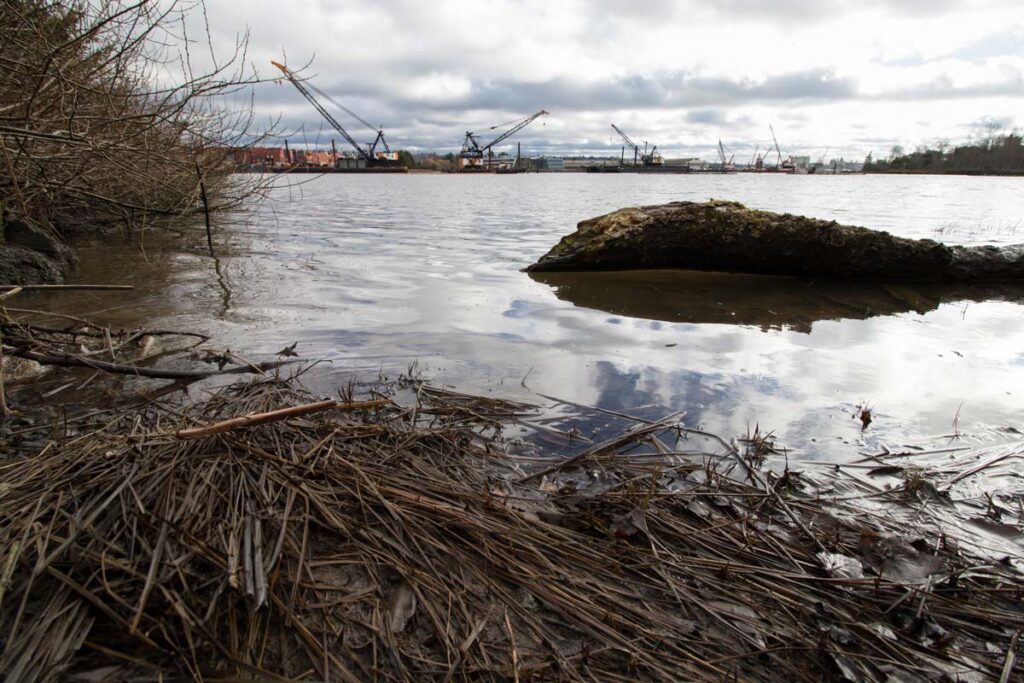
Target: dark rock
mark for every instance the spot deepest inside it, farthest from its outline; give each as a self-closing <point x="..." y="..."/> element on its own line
<point x="31" y="254"/>
<point x="728" y="237"/>
<point x="18" y="233"/>
<point x="19" y="266"/>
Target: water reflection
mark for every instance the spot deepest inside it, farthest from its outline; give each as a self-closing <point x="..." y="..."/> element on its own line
<point x="767" y="302"/>
<point x="430" y="272"/>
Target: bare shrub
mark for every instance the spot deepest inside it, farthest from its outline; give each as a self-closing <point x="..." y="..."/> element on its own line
<point x="105" y="118"/>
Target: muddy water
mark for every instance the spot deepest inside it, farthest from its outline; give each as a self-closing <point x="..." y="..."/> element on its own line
<point x="378" y="273"/>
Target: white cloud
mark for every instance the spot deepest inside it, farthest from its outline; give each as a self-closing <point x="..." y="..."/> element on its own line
<point x="852" y="76"/>
<point x="439" y="87"/>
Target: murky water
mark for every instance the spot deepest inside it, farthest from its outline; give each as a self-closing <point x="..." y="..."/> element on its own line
<point x="377" y="273"/>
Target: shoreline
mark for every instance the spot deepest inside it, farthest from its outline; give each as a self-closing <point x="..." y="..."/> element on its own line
<point x="657" y="550"/>
<point x="661" y="553"/>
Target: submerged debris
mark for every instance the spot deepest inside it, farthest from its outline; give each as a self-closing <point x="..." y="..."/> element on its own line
<point x="864" y="415"/>
<point x="403" y="541"/>
<point x="79" y="343"/>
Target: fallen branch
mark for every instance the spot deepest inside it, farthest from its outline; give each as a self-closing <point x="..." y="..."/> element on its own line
<point x="979" y="467"/>
<point x="271" y="416"/>
<point x="91" y="330"/>
<point x="65" y="287"/>
<point x="155" y="373"/>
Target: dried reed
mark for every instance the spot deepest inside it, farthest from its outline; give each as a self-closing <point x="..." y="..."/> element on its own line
<point x="401" y="543"/>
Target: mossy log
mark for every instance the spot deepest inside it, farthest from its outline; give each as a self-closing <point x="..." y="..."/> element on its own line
<point x="728" y="237"/>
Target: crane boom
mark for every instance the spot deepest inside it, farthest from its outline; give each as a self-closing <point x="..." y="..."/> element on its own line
<point x="378" y="129"/>
<point x="323" y="112"/>
<point x="342" y="107"/>
<point x="625" y="138"/>
<point x="515" y="129"/>
<point x="777" y="150"/>
<point x="650" y="158"/>
<point x="727" y="157"/>
<point x="473" y="152"/>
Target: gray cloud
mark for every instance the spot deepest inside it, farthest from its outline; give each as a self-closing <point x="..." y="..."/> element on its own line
<point x="440" y="124"/>
<point x="717" y="117"/>
<point x="789" y="13"/>
<point x="705" y="97"/>
<point x="944" y="88"/>
<point x="782" y="10"/>
<point x="992" y="123"/>
<point x="660" y="91"/>
<point x="573" y="60"/>
<point x="1001" y="43"/>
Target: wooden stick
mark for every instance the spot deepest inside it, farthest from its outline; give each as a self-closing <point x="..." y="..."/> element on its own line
<point x="11" y="291"/>
<point x="206" y="208"/>
<point x="1011" y="658"/>
<point x="124" y="369"/>
<point x="979" y="467"/>
<point x="271" y="416"/>
<point x="64" y="287"/>
<point x="5" y="410"/>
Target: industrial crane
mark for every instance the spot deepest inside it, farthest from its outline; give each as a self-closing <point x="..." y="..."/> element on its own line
<point x="727" y="163"/>
<point x="370" y="154"/>
<point x="786" y="166"/>
<point x="387" y="153"/>
<point x="472" y="154"/>
<point x="778" y="151"/>
<point x="647" y="159"/>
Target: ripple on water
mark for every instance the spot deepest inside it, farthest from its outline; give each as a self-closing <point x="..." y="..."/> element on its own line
<point x="429" y="267"/>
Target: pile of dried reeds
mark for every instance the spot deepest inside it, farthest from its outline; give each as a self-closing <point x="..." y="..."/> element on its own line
<point x="396" y="542"/>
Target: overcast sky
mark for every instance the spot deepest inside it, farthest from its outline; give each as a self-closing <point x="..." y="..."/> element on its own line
<point x="846" y="77"/>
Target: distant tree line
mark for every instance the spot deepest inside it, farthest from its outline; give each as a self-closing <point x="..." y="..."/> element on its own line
<point x="992" y="155"/>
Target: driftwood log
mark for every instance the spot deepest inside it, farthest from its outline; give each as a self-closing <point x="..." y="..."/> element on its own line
<point x="728" y="237"/>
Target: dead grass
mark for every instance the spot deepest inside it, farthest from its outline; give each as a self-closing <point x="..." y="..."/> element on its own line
<point x="405" y="543"/>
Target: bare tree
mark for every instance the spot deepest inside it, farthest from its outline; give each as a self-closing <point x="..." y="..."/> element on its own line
<point x="105" y="119"/>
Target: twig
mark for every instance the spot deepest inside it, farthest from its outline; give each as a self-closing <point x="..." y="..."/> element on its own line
<point x="979" y="467"/>
<point x="262" y="418"/>
<point x="206" y="207"/>
<point x="157" y="373"/>
<point x="33" y="288"/>
<point x="1011" y="659"/>
<point x="4" y="409"/>
<point x="512" y="642"/>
